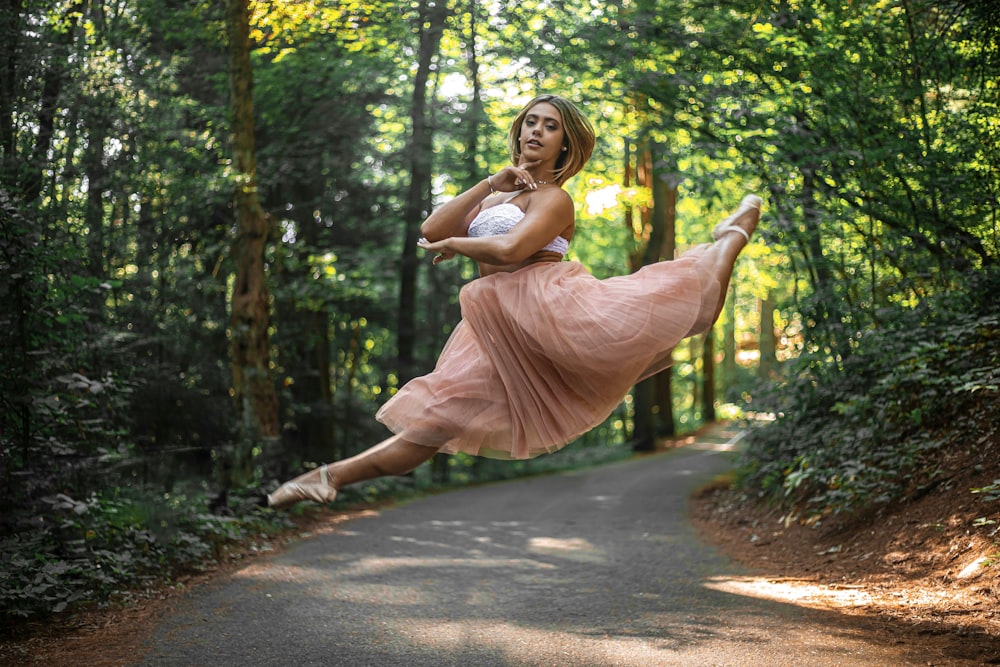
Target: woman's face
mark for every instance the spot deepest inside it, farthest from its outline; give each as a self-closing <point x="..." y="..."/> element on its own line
<point x="542" y="134"/>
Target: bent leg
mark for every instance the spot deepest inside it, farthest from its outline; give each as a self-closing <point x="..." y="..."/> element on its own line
<point x="393" y="456"/>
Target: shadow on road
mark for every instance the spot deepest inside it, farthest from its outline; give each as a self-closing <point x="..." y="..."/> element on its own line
<point x="595" y="567"/>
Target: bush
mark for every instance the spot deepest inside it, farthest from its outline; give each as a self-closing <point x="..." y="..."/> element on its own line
<point x="100" y="548"/>
<point x="856" y="429"/>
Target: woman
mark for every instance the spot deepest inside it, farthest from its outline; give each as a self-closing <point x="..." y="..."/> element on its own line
<point x="544" y="351"/>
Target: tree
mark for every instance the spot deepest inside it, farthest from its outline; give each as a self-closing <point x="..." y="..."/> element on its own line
<point x="431" y="18"/>
<point x="253" y="385"/>
<point x="653" y="398"/>
<point x="708" y="376"/>
<point x="314" y="62"/>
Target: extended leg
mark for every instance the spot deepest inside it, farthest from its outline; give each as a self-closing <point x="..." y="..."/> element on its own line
<point x="717" y="262"/>
<point x="393" y="456"/>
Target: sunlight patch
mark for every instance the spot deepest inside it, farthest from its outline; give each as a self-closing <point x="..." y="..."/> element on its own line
<point x="727" y="446"/>
<point x="380" y="565"/>
<point x="795" y="592"/>
<point x="972" y="568"/>
<point x="287" y="573"/>
<point x="599" y="201"/>
<point x="574" y="548"/>
<point x="511" y="644"/>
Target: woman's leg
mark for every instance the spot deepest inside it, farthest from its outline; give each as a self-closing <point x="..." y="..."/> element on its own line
<point x="718" y="259"/>
<point x="393" y="456"/>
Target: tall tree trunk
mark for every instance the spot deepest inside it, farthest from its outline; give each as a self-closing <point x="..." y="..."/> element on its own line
<point x="729" y="367"/>
<point x="708" y="377"/>
<point x="431" y="20"/>
<point x="664" y="209"/>
<point x="829" y="307"/>
<point x="10" y="37"/>
<point x="473" y="122"/>
<point x="253" y="388"/>
<point x="653" y="397"/>
<point x="93" y="216"/>
<point x="34" y="175"/>
<point x="642" y="435"/>
<point x="768" y="341"/>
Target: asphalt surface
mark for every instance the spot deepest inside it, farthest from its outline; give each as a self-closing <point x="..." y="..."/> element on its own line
<point x="597" y="567"/>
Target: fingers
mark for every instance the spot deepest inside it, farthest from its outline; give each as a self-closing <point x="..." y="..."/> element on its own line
<point x="426" y="245"/>
<point x="441" y="255"/>
<point x="525" y="179"/>
<point x="517" y="178"/>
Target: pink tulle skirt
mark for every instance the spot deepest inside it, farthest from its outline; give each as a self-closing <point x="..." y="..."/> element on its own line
<point x="544" y="354"/>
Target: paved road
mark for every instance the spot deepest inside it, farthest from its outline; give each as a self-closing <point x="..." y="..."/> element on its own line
<point x="590" y="568"/>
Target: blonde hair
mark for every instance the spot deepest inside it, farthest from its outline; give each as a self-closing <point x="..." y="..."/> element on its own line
<point x="578" y="136"/>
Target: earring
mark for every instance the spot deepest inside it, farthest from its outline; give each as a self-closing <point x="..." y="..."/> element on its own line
<point x="565" y="148"/>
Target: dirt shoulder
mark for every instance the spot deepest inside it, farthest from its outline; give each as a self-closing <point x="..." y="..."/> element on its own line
<point x="930" y="566"/>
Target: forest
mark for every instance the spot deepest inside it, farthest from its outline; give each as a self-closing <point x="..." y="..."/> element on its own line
<point x="209" y="278"/>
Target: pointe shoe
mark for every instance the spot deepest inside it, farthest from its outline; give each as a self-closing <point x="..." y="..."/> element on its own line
<point x="292" y="492"/>
<point x="749" y="203"/>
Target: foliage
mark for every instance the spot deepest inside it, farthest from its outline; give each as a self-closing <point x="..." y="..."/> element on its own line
<point x="862" y="429"/>
<point x="100" y="548"/>
<point x="989" y="492"/>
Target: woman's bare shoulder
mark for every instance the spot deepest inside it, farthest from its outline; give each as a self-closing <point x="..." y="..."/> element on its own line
<point x="555" y="199"/>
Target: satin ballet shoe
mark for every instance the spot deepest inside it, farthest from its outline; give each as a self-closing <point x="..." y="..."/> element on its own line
<point x="749" y="203"/>
<point x="292" y="492"/>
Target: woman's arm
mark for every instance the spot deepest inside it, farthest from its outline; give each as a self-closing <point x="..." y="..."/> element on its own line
<point x="453" y="218"/>
<point x="549" y="214"/>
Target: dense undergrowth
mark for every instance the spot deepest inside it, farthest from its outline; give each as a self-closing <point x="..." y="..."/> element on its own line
<point x="865" y="426"/>
<point x="104" y="549"/>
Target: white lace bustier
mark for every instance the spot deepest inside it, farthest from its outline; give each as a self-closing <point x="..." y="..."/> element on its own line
<point x="502" y="218"/>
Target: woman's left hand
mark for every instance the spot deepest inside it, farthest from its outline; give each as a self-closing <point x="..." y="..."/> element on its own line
<point x="439" y="247"/>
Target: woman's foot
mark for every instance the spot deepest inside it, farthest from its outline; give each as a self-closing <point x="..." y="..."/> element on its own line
<point x="316" y="485"/>
<point x="749" y="209"/>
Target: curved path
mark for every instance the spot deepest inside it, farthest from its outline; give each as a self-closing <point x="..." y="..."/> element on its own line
<point x="597" y="567"/>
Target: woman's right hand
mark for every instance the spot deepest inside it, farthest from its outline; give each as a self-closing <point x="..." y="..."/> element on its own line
<point x="512" y="178"/>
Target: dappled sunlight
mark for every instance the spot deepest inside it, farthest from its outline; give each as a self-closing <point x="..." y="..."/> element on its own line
<point x="795" y="592"/>
<point x="375" y="565"/>
<point x="576" y="548"/>
<point x="386" y="594"/>
<point x="665" y="639"/>
<point x="419" y="542"/>
<point x="331" y="522"/>
<point x="512" y="644"/>
<point x="277" y="572"/>
<point x="974" y="567"/>
<point x="603" y="199"/>
<point x="606" y="501"/>
<point x="442" y="534"/>
<point x="920" y="601"/>
<point x="362" y="581"/>
<point x="727" y="446"/>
